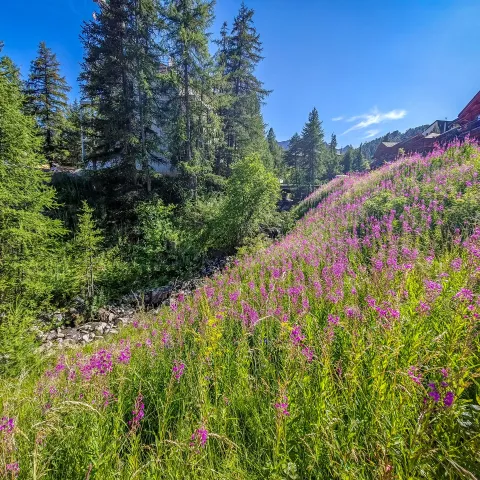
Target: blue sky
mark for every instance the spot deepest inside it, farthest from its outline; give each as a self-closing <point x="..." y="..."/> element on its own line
<point x="369" y="66"/>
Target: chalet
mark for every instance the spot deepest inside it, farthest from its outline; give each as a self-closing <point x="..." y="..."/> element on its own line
<point x="439" y="132"/>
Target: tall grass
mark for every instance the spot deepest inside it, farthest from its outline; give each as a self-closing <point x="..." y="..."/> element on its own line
<point x="348" y="350"/>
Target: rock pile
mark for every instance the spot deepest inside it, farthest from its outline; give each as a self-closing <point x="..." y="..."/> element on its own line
<point x="110" y="318"/>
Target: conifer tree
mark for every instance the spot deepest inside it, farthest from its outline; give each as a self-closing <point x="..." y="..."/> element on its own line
<point x="333" y="143"/>
<point x="191" y="101"/>
<point x="358" y="160"/>
<point x="46" y="99"/>
<point x="312" y="147"/>
<point x="119" y="75"/>
<point x="27" y="235"/>
<point x="293" y="157"/>
<point x="70" y="141"/>
<point x="276" y="152"/>
<point x="346" y="163"/>
<point x="244" y="127"/>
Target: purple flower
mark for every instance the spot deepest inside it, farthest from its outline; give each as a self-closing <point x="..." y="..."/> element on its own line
<point x="333" y="319"/>
<point x="199" y="437"/>
<point x="13" y="467"/>
<point x="7" y="424"/>
<point x="178" y="369"/>
<point x="282" y="407"/>
<point x="307" y="352"/>
<point x="296" y="335"/>
<point x="234" y="296"/>
<point x="412" y="373"/>
<point x="456" y="264"/>
<point x="124" y="356"/>
<point x="448" y="400"/>
<point x="138" y="413"/>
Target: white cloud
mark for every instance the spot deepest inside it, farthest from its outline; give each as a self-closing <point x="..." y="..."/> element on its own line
<point x="337" y="119"/>
<point x="371" y="133"/>
<point x="374" y="118"/>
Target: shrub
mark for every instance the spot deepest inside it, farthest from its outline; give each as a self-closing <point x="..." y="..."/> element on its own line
<point x="251" y="198"/>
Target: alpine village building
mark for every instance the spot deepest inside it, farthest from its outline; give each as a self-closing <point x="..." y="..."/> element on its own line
<point x="440" y="132"/>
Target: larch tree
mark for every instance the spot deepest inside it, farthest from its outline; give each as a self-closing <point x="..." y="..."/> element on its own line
<point x="27" y="235"/>
<point x="46" y="99"/>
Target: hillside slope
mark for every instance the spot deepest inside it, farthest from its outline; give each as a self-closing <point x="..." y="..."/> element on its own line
<point x="350" y="349"/>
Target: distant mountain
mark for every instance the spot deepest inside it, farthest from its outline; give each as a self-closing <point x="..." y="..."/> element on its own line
<point x="369" y="148"/>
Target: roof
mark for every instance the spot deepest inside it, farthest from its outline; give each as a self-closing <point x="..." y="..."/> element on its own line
<point x="474" y="100"/>
<point x="389" y="144"/>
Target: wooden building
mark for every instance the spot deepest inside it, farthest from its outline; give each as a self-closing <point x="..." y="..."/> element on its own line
<point x="439" y="132"/>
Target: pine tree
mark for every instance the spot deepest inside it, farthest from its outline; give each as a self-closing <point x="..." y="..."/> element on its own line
<point x="27" y="235"/>
<point x="46" y="99"/>
<point x="312" y="147"/>
<point x="119" y="76"/>
<point x="276" y="152"/>
<point x="244" y="127"/>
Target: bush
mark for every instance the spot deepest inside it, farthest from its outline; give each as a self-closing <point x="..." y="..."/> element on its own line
<point x="250" y="203"/>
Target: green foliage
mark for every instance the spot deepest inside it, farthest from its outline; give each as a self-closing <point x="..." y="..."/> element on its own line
<point x="119" y="81"/>
<point x="46" y="99"/>
<point x="252" y="194"/>
<point x="86" y="254"/>
<point x="158" y="241"/>
<point x="17" y="339"/>
<point x="27" y="236"/>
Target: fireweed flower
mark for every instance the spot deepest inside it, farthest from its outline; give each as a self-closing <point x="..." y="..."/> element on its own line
<point x="7" y="424"/>
<point x="433" y="393"/>
<point x="282" y="407"/>
<point x="456" y="264"/>
<point x="178" y="369"/>
<point x="412" y="373"/>
<point x="448" y="400"/>
<point x="296" y="335"/>
<point x="124" y="355"/>
<point x="138" y="413"/>
<point x="307" y="352"/>
<point x="199" y="437"/>
<point x="333" y="319"/>
<point x="13" y="468"/>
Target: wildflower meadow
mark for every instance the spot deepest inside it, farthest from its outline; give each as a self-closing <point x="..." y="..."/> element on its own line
<point x="347" y="350"/>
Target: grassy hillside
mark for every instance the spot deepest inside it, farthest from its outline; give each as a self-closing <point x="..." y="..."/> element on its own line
<point x="349" y="350"/>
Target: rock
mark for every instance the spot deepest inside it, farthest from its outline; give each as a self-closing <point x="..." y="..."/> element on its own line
<point x="86" y="338"/>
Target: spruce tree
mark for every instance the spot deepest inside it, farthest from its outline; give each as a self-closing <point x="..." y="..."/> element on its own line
<point x="27" y="235"/>
<point x="358" y="160"/>
<point x="346" y="162"/>
<point x="192" y="104"/>
<point x="244" y="127"/>
<point x="119" y="76"/>
<point x="46" y="99"/>
<point x="312" y="147"/>
<point x="276" y="152"/>
<point x="293" y="157"/>
<point x="333" y="143"/>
